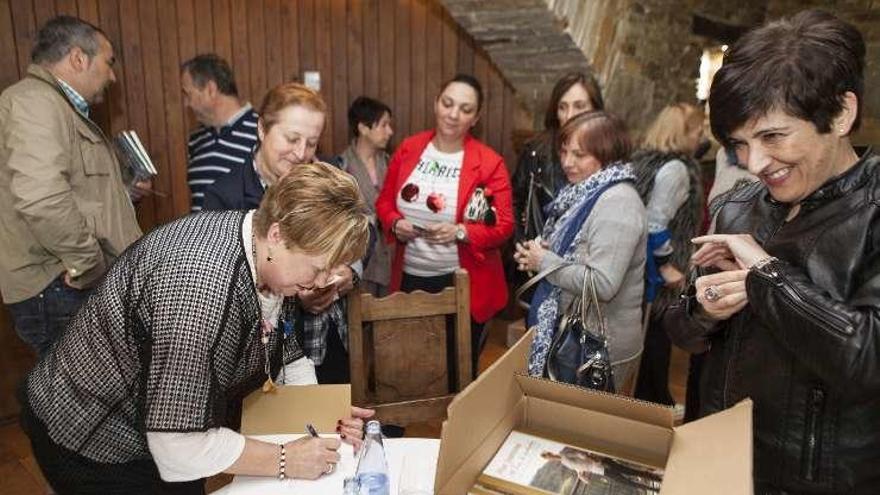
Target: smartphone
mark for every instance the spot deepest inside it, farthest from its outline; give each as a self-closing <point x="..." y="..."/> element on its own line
<point x="419" y="229"/>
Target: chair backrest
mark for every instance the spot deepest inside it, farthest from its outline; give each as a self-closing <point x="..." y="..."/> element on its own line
<point x="398" y="351"/>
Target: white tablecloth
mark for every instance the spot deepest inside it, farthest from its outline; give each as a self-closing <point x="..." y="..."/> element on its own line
<point x="412" y="463"/>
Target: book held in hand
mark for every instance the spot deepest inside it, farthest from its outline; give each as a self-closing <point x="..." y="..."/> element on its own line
<point x="134" y="156"/>
<point x="530" y="465"/>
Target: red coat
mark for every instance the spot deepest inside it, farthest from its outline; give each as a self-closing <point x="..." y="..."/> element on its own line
<point x="481" y="255"/>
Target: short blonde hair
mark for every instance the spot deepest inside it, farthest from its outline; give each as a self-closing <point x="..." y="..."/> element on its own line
<point x="319" y="211"/>
<point x="667" y="132"/>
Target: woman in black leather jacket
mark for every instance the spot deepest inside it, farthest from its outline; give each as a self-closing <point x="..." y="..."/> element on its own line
<point x="790" y="305"/>
<point x="538" y="176"/>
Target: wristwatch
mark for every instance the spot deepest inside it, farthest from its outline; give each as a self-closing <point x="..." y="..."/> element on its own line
<point x="460" y="233"/>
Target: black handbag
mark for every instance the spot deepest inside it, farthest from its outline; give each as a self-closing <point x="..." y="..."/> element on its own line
<point x="578" y="355"/>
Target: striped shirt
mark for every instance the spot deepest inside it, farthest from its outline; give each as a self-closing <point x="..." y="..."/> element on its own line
<point x="213" y="152"/>
<point x="430" y="195"/>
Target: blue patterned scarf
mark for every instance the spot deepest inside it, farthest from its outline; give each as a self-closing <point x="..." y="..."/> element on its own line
<point x="565" y="217"/>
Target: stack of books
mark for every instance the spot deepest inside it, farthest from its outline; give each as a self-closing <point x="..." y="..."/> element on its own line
<point x="530" y="465"/>
<point x="133" y="154"/>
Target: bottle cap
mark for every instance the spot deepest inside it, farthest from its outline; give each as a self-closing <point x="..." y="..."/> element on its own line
<point x="374" y="427"/>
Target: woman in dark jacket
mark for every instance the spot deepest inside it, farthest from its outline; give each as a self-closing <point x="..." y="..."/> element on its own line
<point x="291" y="122"/>
<point x="538" y="175"/>
<point x="789" y="302"/>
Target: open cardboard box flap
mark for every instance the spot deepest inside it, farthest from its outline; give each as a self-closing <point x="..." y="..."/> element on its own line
<point x="713" y="452"/>
<point x="290" y="407"/>
<point x="712" y="455"/>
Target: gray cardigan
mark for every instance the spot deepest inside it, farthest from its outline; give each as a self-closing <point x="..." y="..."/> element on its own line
<point x="613" y="244"/>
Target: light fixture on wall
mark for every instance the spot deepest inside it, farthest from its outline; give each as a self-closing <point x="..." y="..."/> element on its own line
<point x="312" y="79"/>
<point x="710" y="62"/>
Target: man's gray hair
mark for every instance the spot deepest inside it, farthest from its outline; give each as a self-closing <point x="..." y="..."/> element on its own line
<point x="60" y="34"/>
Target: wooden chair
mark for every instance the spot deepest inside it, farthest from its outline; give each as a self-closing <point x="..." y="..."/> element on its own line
<point x="399" y="361"/>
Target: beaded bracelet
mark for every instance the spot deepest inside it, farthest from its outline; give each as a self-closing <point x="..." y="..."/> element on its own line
<point x="282" y="462"/>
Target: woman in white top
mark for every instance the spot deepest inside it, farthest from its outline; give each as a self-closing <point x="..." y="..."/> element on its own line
<point x="446" y="204"/>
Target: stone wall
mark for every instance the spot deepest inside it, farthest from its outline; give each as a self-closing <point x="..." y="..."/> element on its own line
<point x="643" y="52"/>
<point x="526" y="41"/>
<point x="865" y="15"/>
<point x="647" y="56"/>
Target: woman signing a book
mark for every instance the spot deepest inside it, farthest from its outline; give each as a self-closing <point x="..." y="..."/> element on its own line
<point x="135" y="396"/>
<point x="447" y="204"/>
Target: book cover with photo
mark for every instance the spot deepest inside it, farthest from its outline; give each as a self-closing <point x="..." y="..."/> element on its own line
<point x="530" y="465"/>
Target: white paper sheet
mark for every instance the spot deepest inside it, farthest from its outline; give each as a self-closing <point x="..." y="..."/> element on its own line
<point x="412" y="463"/>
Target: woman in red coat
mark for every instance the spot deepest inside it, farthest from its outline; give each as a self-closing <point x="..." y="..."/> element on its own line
<point x="446" y="203"/>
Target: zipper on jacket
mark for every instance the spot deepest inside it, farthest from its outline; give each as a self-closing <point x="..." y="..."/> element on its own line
<point x="812" y="439"/>
<point x="830" y="321"/>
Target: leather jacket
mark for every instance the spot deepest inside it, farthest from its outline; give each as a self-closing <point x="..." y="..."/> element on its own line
<point x="806" y="348"/>
<point x="537" y="169"/>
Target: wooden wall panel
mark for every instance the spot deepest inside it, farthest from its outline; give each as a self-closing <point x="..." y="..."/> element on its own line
<point x="221" y="22"/>
<point x="9" y="69"/>
<point x="399" y="51"/>
<point x="24" y="29"/>
<point x="203" y="13"/>
<point x="370" y="42"/>
<point x="402" y="62"/>
<point x="387" y="57"/>
<point x="337" y="94"/>
<point x="324" y="64"/>
<point x="418" y="63"/>
<point x="274" y="44"/>
<point x="43" y="11"/>
<point x="290" y="18"/>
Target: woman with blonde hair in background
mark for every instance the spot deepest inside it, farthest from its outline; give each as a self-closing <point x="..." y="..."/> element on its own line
<point x="668" y="180"/>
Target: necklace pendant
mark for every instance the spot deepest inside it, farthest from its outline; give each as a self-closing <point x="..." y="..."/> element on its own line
<point x="264" y="339"/>
<point x="269" y="386"/>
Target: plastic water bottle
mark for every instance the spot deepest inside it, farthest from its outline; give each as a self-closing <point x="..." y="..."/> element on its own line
<point x="372" y="471"/>
<point x="350" y="486"/>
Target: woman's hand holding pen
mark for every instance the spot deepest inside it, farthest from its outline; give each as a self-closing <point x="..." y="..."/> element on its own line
<point x="310" y="457"/>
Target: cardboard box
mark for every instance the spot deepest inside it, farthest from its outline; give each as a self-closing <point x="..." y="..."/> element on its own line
<point x="711" y="455"/>
<point x="290" y="407"/>
<point x="515" y="331"/>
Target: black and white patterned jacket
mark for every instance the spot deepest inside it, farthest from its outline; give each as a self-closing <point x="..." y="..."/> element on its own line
<point x="165" y="343"/>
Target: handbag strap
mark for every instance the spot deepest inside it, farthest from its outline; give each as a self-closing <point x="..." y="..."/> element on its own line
<point x="532" y="215"/>
<point x="534" y="280"/>
<point x="590" y="298"/>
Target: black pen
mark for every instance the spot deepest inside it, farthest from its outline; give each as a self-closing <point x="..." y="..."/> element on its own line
<point x="311" y="430"/>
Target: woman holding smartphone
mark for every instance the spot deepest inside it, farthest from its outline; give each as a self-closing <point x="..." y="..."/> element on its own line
<point x="446" y="203"/>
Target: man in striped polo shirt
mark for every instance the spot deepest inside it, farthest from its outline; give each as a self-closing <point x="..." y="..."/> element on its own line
<point x="228" y="130"/>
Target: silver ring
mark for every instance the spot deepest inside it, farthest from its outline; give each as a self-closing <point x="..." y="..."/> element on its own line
<point x="712" y="293"/>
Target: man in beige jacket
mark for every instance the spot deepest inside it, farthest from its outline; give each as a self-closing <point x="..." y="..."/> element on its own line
<point x="65" y="214"/>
